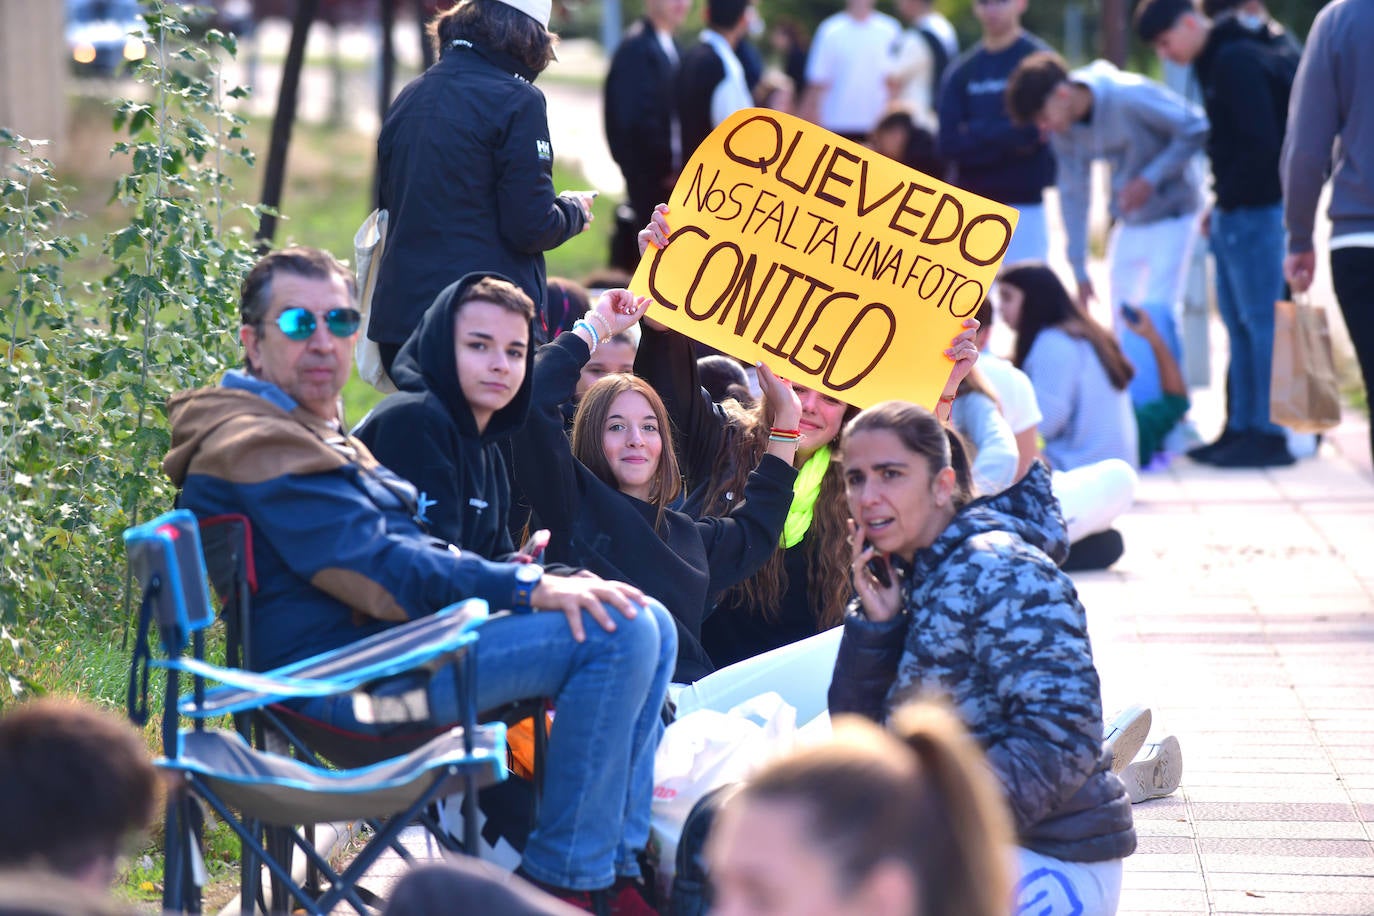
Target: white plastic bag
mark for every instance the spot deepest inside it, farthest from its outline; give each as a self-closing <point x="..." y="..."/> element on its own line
<point x="706" y="749"/>
<point x="368" y="243"/>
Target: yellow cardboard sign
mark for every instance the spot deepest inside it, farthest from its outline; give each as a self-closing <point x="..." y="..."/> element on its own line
<point x="841" y="269"/>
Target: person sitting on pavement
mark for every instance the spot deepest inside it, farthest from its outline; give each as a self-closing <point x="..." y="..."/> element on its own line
<point x="1157" y="416"/>
<point x="965" y="601"/>
<point x="977" y="416"/>
<point x="464" y="389"/>
<point x="871" y="823"/>
<point x="1015" y="393"/>
<point x="76" y="783"/>
<point x="1087" y="423"/>
<point x="341" y="553"/>
<point x="605" y="496"/>
<point x="897" y="136"/>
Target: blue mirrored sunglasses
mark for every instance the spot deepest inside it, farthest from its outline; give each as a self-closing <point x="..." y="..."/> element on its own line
<point x="299" y="323"/>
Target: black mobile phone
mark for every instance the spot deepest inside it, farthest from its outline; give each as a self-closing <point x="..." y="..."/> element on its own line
<point x="879" y="568"/>
<point x="1131" y="312"/>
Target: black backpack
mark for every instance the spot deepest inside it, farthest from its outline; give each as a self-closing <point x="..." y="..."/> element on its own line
<point x="692" y="887"/>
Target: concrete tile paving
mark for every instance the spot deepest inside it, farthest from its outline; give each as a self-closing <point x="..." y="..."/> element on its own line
<point x="1243" y="614"/>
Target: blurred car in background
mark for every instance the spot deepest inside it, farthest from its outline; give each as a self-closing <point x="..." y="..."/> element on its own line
<point x="101" y="35"/>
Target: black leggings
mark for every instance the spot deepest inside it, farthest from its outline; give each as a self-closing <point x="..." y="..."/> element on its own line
<point x="1352" y="275"/>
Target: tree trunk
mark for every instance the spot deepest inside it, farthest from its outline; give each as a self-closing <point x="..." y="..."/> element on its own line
<point x="385" y="85"/>
<point x="1114" y="31"/>
<point x="274" y="176"/>
<point x="426" y="52"/>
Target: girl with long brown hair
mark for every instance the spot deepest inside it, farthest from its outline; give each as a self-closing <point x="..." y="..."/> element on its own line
<point x="606" y="496"/>
<point x="1080" y="377"/>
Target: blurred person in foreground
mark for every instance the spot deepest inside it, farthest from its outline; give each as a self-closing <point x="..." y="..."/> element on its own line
<point x="76" y="783"/>
<point x="909" y="823"/>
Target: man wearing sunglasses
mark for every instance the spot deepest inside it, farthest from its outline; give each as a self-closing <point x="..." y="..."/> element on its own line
<point x="342" y="552"/>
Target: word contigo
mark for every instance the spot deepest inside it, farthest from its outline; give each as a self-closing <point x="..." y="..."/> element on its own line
<point x="779" y="310"/>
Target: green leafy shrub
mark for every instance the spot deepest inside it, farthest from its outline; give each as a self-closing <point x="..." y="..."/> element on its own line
<point x="88" y="367"/>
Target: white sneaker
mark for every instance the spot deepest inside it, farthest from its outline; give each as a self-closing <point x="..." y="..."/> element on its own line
<point x="1156" y="773"/>
<point x="1125" y="735"/>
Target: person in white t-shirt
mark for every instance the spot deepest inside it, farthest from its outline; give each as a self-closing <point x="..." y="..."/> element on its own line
<point x="710" y="84"/>
<point x="917" y="61"/>
<point x="846" y="85"/>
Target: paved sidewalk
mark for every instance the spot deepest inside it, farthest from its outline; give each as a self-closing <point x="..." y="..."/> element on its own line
<point x="1243" y="613"/>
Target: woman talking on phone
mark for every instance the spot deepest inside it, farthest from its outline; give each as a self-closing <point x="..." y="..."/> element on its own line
<point x="963" y="600"/>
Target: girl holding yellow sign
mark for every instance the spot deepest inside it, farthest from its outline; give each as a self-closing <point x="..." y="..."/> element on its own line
<point x="605" y="497"/>
<point x="803" y="587"/>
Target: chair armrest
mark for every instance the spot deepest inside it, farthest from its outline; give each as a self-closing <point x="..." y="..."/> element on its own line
<point x="411" y="645"/>
<point x="242" y="689"/>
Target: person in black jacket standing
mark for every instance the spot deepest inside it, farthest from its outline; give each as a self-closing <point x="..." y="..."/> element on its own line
<point x="641" y="120"/>
<point x="466" y="166"/>
<point x="711" y="84"/>
<point x="1246" y="76"/>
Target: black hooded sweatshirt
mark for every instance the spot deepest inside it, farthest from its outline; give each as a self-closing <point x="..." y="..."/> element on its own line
<point x="1246" y="76"/>
<point x="426" y="433"/>
<point x="679" y="560"/>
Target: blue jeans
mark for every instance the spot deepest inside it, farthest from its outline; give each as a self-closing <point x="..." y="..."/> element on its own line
<point x="1248" y="245"/>
<point x="608" y="696"/>
<point x="1031" y="240"/>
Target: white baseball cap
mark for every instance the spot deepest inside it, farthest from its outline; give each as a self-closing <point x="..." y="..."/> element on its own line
<point x="538" y="10"/>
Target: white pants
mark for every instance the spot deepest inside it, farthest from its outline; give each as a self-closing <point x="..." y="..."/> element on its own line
<point x="1149" y="260"/>
<point x="799" y="672"/>
<point x="1053" y="887"/>
<point x="1093" y="496"/>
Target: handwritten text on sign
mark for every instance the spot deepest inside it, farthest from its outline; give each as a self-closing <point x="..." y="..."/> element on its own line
<point x="842" y="269"/>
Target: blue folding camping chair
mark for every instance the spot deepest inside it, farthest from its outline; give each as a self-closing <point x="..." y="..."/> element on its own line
<point x="251" y="788"/>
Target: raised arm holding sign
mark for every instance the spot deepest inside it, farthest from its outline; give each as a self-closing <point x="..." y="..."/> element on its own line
<point x="840" y="268"/>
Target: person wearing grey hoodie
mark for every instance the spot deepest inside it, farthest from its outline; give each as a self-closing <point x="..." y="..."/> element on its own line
<point x="1148" y="135"/>
<point x="1327" y="104"/>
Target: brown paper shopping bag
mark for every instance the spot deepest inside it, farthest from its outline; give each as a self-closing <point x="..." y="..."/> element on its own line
<point x="1303" y="393"/>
